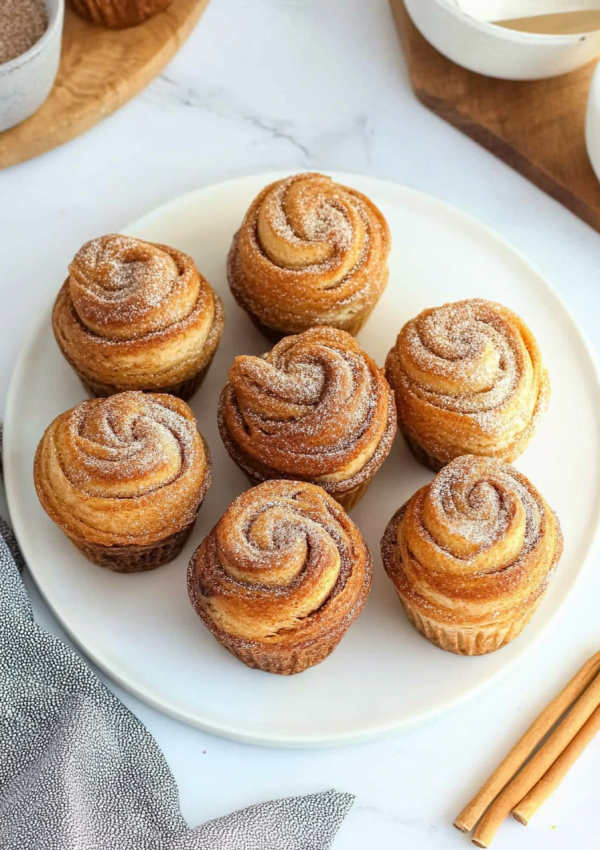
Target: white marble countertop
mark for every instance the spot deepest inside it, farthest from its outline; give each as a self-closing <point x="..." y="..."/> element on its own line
<point x="290" y="84"/>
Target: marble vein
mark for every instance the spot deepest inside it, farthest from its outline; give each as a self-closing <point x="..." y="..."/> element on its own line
<point x="166" y="92"/>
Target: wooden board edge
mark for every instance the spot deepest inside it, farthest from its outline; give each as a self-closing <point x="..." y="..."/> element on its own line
<point x="489" y="140"/>
<point x="117" y="97"/>
<point x="500" y="148"/>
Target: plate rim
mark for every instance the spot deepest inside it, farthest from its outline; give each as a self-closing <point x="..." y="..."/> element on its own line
<point x="298" y="740"/>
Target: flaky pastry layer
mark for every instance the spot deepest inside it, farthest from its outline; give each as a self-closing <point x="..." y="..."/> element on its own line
<point x="475" y="549"/>
<point x="468" y="379"/>
<point x="314" y="408"/>
<point x="284" y="570"/>
<point x="136" y="315"/>
<point x="125" y="471"/>
<point x="309" y="252"/>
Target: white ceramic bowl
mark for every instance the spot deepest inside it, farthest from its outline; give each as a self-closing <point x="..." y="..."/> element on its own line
<point x="26" y="81"/>
<point x="592" y="123"/>
<point x="482" y="47"/>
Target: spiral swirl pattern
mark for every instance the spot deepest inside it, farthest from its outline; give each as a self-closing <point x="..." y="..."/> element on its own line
<point x="316" y="407"/>
<point x="310" y="252"/>
<point x="136" y="315"/>
<point x="282" y="576"/>
<point x="472" y="553"/>
<point x="469" y="379"/>
<point x="124" y="471"/>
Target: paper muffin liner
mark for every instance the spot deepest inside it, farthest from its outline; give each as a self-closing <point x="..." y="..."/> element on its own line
<point x="183" y="390"/>
<point x="435" y="464"/>
<point x="422" y="455"/>
<point x="467" y="641"/>
<point x="451" y="638"/>
<point x="135" y="559"/>
<point x="351" y="498"/>
<point x="283" y="662"/>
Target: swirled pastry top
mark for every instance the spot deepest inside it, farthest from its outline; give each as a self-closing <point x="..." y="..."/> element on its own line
<point x="309" y="251"/>
<point x="476" y="546"/>
<point x="469" y="378"/>
<point x="315" y="406"/>
<point x="127" y="470"/>
<point x="134" y="311"/>
<point x="284" y="558"/>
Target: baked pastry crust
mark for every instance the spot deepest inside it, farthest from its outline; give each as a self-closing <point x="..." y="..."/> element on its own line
<point x="136" y="315"/>
<point x="315" y="408"/>
<point x="468" y="379"/>
<point x="471" y="554"/>
<point x="124" y="478"/>
<point x="309" y="252"/>
<point x="281" y="577"/>
<point x="119" y="14"/>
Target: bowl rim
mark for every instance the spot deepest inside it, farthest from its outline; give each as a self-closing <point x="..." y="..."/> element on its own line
<point x="507" y="34"/>
<point x="55" y="18"/>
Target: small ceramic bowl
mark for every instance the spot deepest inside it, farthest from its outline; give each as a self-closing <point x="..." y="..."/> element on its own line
<point x="485" y="48"/>
<point x="592" y="123"/>
<point x="26" y="80"/>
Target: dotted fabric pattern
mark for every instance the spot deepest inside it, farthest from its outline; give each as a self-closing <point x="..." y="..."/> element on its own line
<point x="78" y="771"/>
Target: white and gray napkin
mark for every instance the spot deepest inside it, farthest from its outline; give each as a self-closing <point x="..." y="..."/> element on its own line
<point x="78" y="771"/>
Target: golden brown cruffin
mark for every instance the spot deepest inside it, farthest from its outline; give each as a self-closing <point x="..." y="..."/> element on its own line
<point x="124" y="478"/>
<point x="468" y="379"/>
<point x="119" y="14"/>
<point x="135" y="315"/>
<point x="471" y="554"/>
<point x="281" y="577"/>
<point x="315" y="408"/>
<point x="309" y="252"/>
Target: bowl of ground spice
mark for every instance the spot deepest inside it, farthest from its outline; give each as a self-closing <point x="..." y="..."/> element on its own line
<point x="30" y="39"/>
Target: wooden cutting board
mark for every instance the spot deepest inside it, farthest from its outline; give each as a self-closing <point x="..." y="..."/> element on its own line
<point x="537" y="127"/>
<point x="100" y="70"/>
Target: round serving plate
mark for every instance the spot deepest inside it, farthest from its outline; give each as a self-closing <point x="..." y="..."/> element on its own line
<point x="141" y="629"/>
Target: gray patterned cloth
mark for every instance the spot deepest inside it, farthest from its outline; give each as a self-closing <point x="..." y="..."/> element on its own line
<point x="79" y="772"/>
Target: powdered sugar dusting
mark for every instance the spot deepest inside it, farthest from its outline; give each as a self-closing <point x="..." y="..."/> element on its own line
<point x="310" y="406"/>
<point x="112" y="268"/>
<point x="470" y="358"/>
<point x="124" y="288"/>
<point x="476" y="498"/>
<point x="130" y="442"/>
<point x="309" y="252"/>
<point x="275" y="563"/>
<point x="322" y="218"/>
<point x="474" y="550"/>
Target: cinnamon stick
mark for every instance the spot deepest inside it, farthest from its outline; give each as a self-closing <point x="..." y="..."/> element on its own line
<point x="540" y="727"/>
<point x="549" y="782"/>
<point x="533" y="771"/>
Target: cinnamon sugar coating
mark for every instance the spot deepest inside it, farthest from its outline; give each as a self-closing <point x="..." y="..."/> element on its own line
<point x="469" y="379"/>
<point x="472" y="553"/>
<point x="135" y="315"/>
<point x="281" y="577"/>
<point x="315" y="408"/>
<point x="309" y="252"/>
<point x="123" y="475"/>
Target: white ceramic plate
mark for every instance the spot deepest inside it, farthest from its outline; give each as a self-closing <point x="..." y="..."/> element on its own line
<point x="141" y="629"/>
